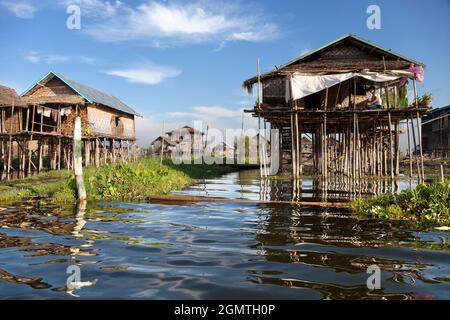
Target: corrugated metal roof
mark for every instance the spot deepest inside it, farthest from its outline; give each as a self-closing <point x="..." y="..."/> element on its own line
<point x="90" y="94"/>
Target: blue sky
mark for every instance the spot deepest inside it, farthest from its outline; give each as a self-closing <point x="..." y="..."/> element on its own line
<point x="179" y="61"/>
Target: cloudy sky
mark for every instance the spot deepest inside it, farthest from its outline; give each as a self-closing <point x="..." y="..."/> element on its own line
<point x="180" y="61"/>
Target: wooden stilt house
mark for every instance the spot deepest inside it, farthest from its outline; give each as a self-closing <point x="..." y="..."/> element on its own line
<point x="12" y="124"/>
<point x="323" y="94"/>
<point x="43" y="123"/>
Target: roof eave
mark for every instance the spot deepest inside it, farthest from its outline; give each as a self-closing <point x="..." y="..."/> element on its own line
<point x="250" y="80"/>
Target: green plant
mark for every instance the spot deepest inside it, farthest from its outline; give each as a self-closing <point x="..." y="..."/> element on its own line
<point x="425" y="100"/>
<point x="423" y="204"/>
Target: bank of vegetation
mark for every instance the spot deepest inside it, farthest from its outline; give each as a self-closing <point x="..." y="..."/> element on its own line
<point x="423" y="204"/>
<point x="132" y="182"/>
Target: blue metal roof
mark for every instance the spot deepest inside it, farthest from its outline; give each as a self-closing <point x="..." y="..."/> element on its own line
<point x="90" y="94"/>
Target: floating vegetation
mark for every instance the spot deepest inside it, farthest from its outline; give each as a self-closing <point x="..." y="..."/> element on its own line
<point x="423" y="204"/>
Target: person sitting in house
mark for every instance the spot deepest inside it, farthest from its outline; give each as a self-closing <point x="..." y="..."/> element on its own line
<point x="374" y="101"/>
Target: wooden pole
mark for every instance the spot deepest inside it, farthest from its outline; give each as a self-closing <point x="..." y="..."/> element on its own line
<point x="325" y="148"/>
<point x="113" y="150"/>
<point x="31" y="139"/>
<point x="297" y="146"/>
<point x="162" y="144"/>
<point x="300" y="156"/>
<point x="78" y="160"/>
<point x="105" y="152"/>
<point x="59" y="153"/>
<point x="391" y="159"/>
<point x="419" y="128"/>
<point x="397" y="148"/>
<point x="97" y="153"/>
<point x="409" y="150"/>
<point x="10" y="138"/>
<point x="294" y="173"/>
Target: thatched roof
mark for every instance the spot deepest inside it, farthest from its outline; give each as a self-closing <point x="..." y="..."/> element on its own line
<point x="9" y="97"/>
<point x="320" y="61"/>
<point x="86" y="93"/>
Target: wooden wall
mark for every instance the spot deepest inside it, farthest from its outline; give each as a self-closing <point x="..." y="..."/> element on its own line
<point x="109" y="122"/>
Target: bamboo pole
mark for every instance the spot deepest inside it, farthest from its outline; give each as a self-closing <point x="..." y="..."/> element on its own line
<point x="300" y="156"/>
<point x="391" y="159"/>
<point x="10" y="139"/>
<point x="409" y="151"/>
<point x="30" y="162"/>
<point x="294" y="167"/>
<point x="59" y="153"/>
<point x="419" y="130"/>
<point x="415" y="145"/>
<point x="297" y="145"/>
<point x="325" y="148"/>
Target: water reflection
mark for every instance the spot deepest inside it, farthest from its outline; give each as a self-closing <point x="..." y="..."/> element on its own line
<point x="208" y="250"/>
<point x="247" y="185"/>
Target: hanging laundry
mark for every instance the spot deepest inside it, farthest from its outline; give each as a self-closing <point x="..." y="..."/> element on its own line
<point x="66" y="111"/>
<point x="39" y="110"/>
<point x="47" y="112"/>
<point x="55" y="114"/>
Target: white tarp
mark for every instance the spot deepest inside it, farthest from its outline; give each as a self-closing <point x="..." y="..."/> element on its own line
<point x="301" y="86"/>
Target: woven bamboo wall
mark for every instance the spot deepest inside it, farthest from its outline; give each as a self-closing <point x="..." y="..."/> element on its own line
<point x="8" y="124"/>
<point x="102" y="122"/>
<point x="53" y="88"/>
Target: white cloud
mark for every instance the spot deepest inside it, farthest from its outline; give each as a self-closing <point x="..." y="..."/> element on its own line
<point x="217" y="111"/>
<point x="32" y="56"/>
<point x="36" y="57"/>
<point x="209" y="114"/>
<point x="21" y="9"/>
<point x="147" y="74"/>
<point x="163" y="24"/>
<point x="55" y="58"/>
<point x="95" y="7"/>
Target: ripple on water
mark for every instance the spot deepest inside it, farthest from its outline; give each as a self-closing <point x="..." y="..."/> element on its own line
<point x="216" y="250"/>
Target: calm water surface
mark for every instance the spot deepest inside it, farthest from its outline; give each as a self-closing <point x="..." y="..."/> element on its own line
<point x="224" y="250"/>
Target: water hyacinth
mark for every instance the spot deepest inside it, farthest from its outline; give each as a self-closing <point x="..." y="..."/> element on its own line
<point x="424" y="204"/>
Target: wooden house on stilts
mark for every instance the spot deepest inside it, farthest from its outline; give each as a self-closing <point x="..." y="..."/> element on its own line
<point x="45" y="114"/>
<point x="12" y="110"/>
<point x="323" y="95"/>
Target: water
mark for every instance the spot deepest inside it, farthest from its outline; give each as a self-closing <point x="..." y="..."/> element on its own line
<point x="209" y="250"/>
